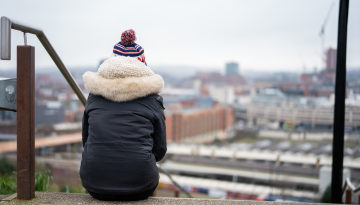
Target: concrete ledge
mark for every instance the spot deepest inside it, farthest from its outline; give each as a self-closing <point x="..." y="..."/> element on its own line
<point x="7" y="199"/>
<point x="84" y="199"/>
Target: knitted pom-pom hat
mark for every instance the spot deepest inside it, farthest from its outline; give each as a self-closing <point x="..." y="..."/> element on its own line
<point x="128" y="47"/>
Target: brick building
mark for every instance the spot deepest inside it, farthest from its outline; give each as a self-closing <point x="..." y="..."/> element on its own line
<point x="182" y="124"/>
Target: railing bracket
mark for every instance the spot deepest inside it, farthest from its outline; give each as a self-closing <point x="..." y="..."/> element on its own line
<point x="25" y="40"/>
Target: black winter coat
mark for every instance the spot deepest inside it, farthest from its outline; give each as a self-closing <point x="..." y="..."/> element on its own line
<point x="122" y="143"/>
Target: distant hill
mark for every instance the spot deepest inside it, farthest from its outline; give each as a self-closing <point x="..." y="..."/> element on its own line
<point x="182" y="71"/>
<point x="174" y="73"/>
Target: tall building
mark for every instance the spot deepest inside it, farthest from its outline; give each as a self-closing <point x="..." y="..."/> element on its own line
<point x="232" y="68"/>
<point x="331" y="59"/>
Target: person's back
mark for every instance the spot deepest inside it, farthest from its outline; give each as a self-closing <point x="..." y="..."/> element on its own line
<point x="123" y="130"/>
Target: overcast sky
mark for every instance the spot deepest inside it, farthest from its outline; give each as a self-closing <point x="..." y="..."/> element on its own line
<point x="259" y="34"/>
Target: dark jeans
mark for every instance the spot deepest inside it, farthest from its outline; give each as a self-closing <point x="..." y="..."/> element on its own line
<point x="129" y="197"/>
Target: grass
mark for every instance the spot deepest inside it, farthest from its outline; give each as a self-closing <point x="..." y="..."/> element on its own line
<point x="42" y="180"/>
<point x="7" y="184"/>
<point x="7" y="176"/>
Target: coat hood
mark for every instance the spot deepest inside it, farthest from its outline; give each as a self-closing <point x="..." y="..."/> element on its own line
<point x="122" y="79"/>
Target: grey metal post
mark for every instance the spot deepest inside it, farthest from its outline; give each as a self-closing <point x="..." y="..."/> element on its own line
<point x="5" y="41"/>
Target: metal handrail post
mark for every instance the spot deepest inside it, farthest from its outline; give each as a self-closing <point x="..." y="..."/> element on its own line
<point x="25" y="122"/>
<point x="348" y="184"/>
<point x="51" y="51"/>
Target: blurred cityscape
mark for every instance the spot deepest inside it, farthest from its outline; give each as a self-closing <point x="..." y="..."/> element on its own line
<point x="263" y="136"/>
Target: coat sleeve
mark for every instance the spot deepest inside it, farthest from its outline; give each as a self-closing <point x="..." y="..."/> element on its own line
<point x="159" y="148"/>
<point x="85" y="126"/>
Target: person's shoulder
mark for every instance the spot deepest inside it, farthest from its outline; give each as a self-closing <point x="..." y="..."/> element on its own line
<point x="95" y="99"/>
<point x="156" y="100"/>
<point x="159" y="99"/>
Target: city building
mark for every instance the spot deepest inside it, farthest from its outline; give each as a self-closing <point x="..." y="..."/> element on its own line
<point x="273" y="106"/>
<point x="331" y="59"/>
<point x="200" y="118"/>
<point x="232" y="68"/>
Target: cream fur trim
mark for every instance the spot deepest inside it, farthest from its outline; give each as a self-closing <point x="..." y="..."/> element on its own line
<point x="122" y="79"/>
<point x="123" y="89"/>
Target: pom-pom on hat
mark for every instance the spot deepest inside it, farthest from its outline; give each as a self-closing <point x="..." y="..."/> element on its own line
<point x="128" y="37"/>
<point x="128" y="47"/>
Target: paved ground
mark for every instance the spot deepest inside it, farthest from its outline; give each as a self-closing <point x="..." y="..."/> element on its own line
<point x="3" y="196"/>
<point x="56" y="198"/>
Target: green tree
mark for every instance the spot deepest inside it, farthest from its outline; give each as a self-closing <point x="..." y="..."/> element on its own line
<point x="326" y="197"/>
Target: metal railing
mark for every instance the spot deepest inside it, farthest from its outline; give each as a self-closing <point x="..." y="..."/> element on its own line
<point x="174" y="182"/>
<point x="349" y="185"/>
<point x="7" y="25"/>
<point x="349" y="188"/>
<point x="5" y="46"/>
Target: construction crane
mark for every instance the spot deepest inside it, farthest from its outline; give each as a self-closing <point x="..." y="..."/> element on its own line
<point x="322" y="32"/>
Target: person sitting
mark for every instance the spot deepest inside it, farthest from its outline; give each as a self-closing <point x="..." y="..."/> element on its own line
<point x="123" y="129"/>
